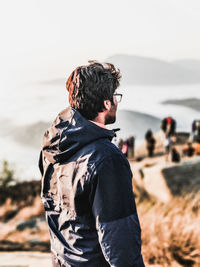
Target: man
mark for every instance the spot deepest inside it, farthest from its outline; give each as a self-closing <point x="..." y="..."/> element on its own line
<point x="86" y="180"/>
<point x="150" y="142"/>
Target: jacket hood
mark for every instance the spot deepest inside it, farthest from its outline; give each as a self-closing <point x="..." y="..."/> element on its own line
<point x="69" y="133"/>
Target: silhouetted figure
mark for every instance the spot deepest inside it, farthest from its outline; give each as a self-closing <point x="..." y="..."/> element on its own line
<point x="150" y="142"/>
<point x="168" y="125"/>
<point x="196" y="131"/>
<point x="196" y="126"/>
<point x="175" y="155"/>
<point x="131" y="145"/>
<point x="120" y="145"/>
<point x="189" y="150"/>
<point x="167" y="145"/>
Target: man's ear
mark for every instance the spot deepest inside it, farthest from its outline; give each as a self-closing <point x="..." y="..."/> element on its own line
<point x="107" y="104"/>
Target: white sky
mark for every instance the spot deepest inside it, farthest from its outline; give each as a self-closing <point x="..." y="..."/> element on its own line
<point x="42" y="39"/>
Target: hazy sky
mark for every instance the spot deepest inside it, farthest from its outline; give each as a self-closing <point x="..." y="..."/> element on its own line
<point x="43" y="39"/>
<point x="46" y="39"/>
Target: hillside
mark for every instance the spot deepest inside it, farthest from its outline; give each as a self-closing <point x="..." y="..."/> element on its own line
<point x="135" y="123"/>
<point x="30" y="134"/>
<point x="193" y="103"/>
<point x="139" y="70"/>
<point x="23" y="226"/>
<point x="192" y="64"/>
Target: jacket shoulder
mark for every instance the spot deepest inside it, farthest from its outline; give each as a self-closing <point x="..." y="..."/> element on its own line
<point x="103" y="150"/>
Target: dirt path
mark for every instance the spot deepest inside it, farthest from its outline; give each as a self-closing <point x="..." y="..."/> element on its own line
<point x="25" y="259"/>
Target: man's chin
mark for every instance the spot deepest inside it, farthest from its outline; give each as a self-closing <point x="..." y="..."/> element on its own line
<point x="110" y="120"/>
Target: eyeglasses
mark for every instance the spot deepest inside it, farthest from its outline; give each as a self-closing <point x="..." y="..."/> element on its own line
<point x="118" y="97"/>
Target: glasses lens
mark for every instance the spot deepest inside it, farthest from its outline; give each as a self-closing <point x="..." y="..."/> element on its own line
<point x="118" y="97"/>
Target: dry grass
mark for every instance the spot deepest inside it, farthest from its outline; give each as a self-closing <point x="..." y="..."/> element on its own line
<point x="170" y="232"/>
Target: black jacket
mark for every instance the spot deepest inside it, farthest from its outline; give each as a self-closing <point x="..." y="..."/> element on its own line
<point x="87" y="195"/>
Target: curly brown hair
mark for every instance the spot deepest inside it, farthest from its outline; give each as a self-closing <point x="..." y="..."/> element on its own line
<point x="90" y="85"/>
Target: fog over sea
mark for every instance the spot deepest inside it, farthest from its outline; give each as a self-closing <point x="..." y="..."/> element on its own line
<point x="149" y="100"/>
<point x="40" y="102"/>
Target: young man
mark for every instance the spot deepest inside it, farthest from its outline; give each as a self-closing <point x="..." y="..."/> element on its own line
<point x="86" y="180"/>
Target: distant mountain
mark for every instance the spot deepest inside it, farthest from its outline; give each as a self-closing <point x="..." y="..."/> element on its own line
<point x="191" y="64"/>
<point x="30" y="135"/>
<point x="135" y="123"/>
<point x="139" y="70"/>
<point x="193" y="103"/>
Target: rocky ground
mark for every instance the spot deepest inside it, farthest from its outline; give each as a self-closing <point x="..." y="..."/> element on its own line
<point x="33" y="259"/>
<point x="25" y="259"/>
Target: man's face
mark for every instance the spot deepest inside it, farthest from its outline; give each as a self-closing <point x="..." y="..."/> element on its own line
<point x="111" y="115"/>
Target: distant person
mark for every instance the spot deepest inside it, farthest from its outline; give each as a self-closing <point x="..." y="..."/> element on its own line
<point x="175" y="156"/>
<point x="131" y="145"/>
<point x="86" y="180"/>
<point x="168" y="125"/>
<point x="189" y="150"/>
<point x="196" y="127"/>
<point x="167" y="145"/>
<point x="150" y="140"/>
<point x="120" y="144"/>
<point x="196" y="131"/>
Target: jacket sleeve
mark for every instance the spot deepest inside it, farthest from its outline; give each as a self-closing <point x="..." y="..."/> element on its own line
<point x="114" y="209"/>
<point x="40" y="164"/>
